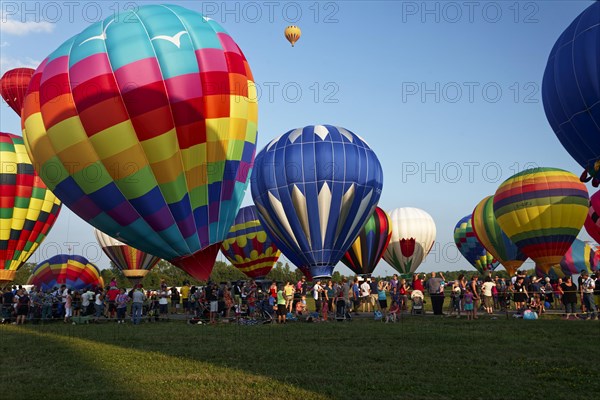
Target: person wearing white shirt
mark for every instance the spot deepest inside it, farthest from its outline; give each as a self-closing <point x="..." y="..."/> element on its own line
<point x="587" y="288"/>
<point x="317" y="289"/>
<point x="365" y="295"/>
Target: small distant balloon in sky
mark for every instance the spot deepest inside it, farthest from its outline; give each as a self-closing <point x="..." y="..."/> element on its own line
<point x="292" y="34"/>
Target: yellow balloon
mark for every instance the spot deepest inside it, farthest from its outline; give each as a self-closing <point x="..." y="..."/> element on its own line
<point x="292" y="34"/>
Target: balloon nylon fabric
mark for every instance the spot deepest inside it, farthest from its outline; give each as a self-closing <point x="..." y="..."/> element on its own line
<point x="74" y="271"/>
<point x="372" y="241"/>
<point x="28" y="209"/>
<point x="571" y="89"/>
<point x="248" y="247"/>
<point x="471" y="248"/>
<point x="161" y="153"/>
<point x="489" y="233"/>
<point x="126" y="258"/>
<point x="542" y="211"/>
<point x="13" y="87"/>
<point x="315" y="187"/>
<point x="413" y="236"/>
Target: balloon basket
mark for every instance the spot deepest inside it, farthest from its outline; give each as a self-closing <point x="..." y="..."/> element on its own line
<point x="7" y="276"/>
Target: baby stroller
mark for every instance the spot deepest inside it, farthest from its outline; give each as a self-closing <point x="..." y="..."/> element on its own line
<point x="341" y="313"/>
<point x="416" y="299"/>
<point x="266" y="311"/>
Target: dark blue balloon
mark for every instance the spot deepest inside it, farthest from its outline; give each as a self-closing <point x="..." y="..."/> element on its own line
<point x="571" y="90"/>
<point x="315" y="187"/>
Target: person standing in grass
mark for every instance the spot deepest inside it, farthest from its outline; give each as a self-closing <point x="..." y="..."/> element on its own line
<point x="355" y="296"/>
<point x="185" y="297"/>
<point x="175" y="300"/>
<point x="469" y="300"/>
<point x="403" y="295"/>
<point x="488" y="299"/>
<point x="163" y="301"/>
<point x="330" y="291"/>
<point x="365" y="295"/>
<point x="475" y="292"/>
<point x="597" y="290"/>
<point x="122" y="300"/>
<point x="281" y="306"/>
<point x="288" y="292"/>
<point x="317" y="289"/>
<point x="382" y="286"/>
<point x="587" y="288"/>
<point x="22" y="306"/>
<point x="213" y="298"/>
<point x="520" y="294"/>
<point x="568" y="291"/>
<point x="137" y="304"/>
<point x="98" y="304"/>
<point x="228" y="300"/>
<point x="68" y="306"/>
<point x="436" y="293"/>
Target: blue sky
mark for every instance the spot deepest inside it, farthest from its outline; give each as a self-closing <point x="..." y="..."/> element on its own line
<point x="448" y="94"/>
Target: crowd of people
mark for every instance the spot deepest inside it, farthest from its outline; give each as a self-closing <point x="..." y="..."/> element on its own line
<point x="386" y="299"/>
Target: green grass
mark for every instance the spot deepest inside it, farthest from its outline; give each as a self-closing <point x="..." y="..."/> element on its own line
<point x="419" y="358"/>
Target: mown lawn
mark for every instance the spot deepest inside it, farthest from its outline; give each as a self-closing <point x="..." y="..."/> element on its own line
<point x="419" y="358"/>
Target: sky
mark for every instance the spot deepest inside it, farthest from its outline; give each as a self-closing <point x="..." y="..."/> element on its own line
<point x="448" y="94"/>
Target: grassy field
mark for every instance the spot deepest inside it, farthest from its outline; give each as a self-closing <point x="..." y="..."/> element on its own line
<point x="418" y="358"/>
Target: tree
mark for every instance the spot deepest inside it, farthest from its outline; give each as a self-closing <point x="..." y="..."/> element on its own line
<point x="23" y="274"/>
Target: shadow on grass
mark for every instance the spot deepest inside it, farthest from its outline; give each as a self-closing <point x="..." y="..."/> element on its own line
<point x="418" y="358"/>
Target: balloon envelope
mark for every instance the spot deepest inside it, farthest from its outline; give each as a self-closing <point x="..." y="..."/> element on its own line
<point x="580" y="256"/>
<point x="571" y="89"/>
<point x="491" y="236"/>
<point x="248" y="247"/>
<point x="542" y="211"/>
<point x="471" y="248"/>
<point x="28" y="209"/>
<point x="592" y="223"/>
<point x="133" y="263"/>
<point x="315" y="187"/>
<point x="151" y="136"/>
<point x="413" y="235"/>
<point x="74" y="271"/>
<point x="292" y="34"/>
<point x="372" y="241"/>
<point x="13" y="86"/>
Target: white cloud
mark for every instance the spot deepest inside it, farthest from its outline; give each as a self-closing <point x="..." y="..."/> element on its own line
<point x="4" y="44"/>
<point x="20" y="28"/>
<point x="7" y="63"/>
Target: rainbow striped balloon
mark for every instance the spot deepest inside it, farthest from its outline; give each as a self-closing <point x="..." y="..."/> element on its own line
<point x="74" y="271"/>
<point x="580" y="256"/>
<point x="372" y="241"/>
<point x="471" y="248"/>
<point x="133" y="263"/>
<point x="542" y="211"/>
<point x="28" y="209"/>
<point x="145" y="126"/>
<point x="248" y="247"/>
<point x="489" y="234"/>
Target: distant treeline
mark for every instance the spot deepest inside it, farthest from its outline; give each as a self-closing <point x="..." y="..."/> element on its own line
<point x="222" y="272"/>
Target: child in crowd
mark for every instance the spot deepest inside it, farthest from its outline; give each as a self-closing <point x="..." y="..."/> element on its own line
<point x="468" y="300"/>
<point x="393" y="313"/>
<point x="301" y="306"/>
<point x="537" y="304"/>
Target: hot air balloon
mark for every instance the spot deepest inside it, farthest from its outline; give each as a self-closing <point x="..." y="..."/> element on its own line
<point x="292" y="34"/>
<point x="315" y="187"/>
<point x="371" y="243"/>
<point x="27" y="208"/>
<point x="413" y="235"/>
<point x="133" y="263"/>
<point x="74" y="271"/>
<point x="495" y="241"/>
<point x="542" y="211"/>
<point x="13" y="86"/>
<point x="553" y="273"/>
<point x="580" y="256"/>
<point x="151" y="134"/>
<point x="248" y="247"/>
<point x="571" y="91"/>
<point x="592" y="223"/>
<point x="470" y="247"/>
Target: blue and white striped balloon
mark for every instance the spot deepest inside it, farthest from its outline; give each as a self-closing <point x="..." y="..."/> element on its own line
<point x="315" y="187"/>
